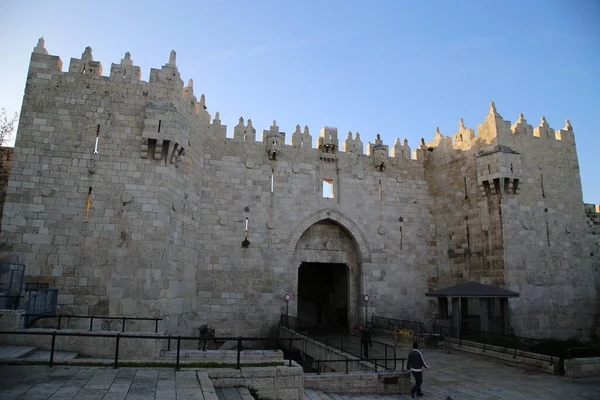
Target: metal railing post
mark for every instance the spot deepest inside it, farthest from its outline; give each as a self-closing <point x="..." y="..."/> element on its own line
<point x="178" y="349"/>
<point x="385" y="348"/>
<point x="52" y="349"/>
<point x="123" y="328"/>
<point x="483" y="341"/>
<point x="347" y="364"/>
<point x="239" y="350"/>
<point x="156" y="325"/>
<point x="291" y="352"/>
<point x="318" y="367"/>
<point x="91" y="322"/>
<point x="169" y="343"/>
<point x="117" y="351"/>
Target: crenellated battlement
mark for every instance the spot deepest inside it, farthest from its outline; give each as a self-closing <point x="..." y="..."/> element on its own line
<point x="166" y="85"/>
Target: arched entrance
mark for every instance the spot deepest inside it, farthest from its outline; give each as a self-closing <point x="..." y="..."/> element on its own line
<point x="328" y="259"/>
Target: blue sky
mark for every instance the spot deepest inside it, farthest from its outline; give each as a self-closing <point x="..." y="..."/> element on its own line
<point x="397" y="68"/>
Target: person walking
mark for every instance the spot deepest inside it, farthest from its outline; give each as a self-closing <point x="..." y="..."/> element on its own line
<point x="415" y="364"/>
<point x="365" y="339"/>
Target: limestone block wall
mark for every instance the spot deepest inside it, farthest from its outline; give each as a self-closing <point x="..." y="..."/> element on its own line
<point x="79" y="139"/>
<point x="130" y="199"/>
<point x="282" y="199"/>
<point x="592" y="212"/>
<point x="547" y="255"/>
<point x="511" y="214"/>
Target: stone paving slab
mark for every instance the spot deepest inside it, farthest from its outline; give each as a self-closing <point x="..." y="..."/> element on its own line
<point x="10" y="352"/>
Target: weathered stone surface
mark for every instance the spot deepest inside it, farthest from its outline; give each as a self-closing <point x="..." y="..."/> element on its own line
<point x="170" y="196"/>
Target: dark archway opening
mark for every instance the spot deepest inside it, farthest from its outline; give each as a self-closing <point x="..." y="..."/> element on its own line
<point x="323" y="294"/>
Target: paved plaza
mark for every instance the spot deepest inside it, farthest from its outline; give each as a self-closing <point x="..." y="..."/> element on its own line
<point x="461" y="376"/>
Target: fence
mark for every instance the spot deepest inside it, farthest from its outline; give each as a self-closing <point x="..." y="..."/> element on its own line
<point x="118" y="337"/>
<point x="508" y="344"/>
<point x="391" y="324"/>
<point x="121" y="320"/>
<point x="384" y="354"/>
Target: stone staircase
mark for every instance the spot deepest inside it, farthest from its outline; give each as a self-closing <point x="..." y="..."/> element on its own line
<point x="33" y="353"/>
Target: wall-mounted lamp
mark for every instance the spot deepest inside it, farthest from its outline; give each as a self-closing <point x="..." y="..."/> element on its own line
<point x="246" y="242"/>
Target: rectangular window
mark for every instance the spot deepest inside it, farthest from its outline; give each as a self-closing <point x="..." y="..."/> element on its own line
<point x="328" y="189"/>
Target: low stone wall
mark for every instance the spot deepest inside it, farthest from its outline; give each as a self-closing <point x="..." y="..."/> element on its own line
<point x="582" y="367"/>
<point x="11" y="320"/>
<point x="94" y="346"/>
<point x="279" y="383"/>
<point x="544" y="363"/>
<point x="360" y="382"/>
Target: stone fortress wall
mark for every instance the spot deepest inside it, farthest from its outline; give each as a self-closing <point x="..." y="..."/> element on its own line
<point x="129" y="198"/>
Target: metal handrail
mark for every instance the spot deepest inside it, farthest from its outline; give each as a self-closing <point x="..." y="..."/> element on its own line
<point x="323" y="334"/>
<point x="392" y="323"/>
<point x="508" y="344"/>
<point x="92" y="317"/>
<point x="119" y="336"/>
<point x="347" y="361"/>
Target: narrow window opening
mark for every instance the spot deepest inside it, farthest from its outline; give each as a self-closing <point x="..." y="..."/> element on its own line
<point x="515" y="186"/>
<point x="542" y="181"/>
<point x="246" y="229"/>
<point x="97" y="137"/>
<point x="83" y="69"/>
<point x="486" y="187"/>
<point x="497" y="185"/>
<point x="460" y="136"/>
<point x="244" y="135"/>
<point x="165" y="151"/>
<point x="400" y="237"/>
<point x="272" y="180"/>
<point x="511" y="167"/>
<point x="151" y="147"/>
<point x="489" y="169"/>
<point x="124" y="73"/>
<point x="380" y="191"/>
<point x="159" y="124"/>
<point x="466" y="191"/>
<point x="328" y="189"/>
<point x="302" y="142"/>
<point x="507" y="185"/>
<point x="548" y="233"/>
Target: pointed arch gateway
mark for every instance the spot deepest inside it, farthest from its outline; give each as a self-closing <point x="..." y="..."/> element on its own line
<point x="329" y="252"/>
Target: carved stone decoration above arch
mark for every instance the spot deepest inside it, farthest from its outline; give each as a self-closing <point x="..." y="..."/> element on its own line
<point x="364" y="254"/>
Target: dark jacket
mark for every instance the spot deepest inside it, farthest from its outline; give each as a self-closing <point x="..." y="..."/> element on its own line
<point x="415" y="361"/>
<point x="366" y="334"/>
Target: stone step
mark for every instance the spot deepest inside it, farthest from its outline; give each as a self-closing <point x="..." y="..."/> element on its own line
<point x="45" y="355"/>
<point x="314" y="394"/>
<point x="12" y="352"/>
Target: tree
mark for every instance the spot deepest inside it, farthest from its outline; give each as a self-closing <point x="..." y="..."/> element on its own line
<point x="7" y="126"/>
<point x="7" y="130"/>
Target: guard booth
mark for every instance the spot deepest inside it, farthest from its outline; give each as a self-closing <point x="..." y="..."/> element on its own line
<point x="474" y="307"/>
